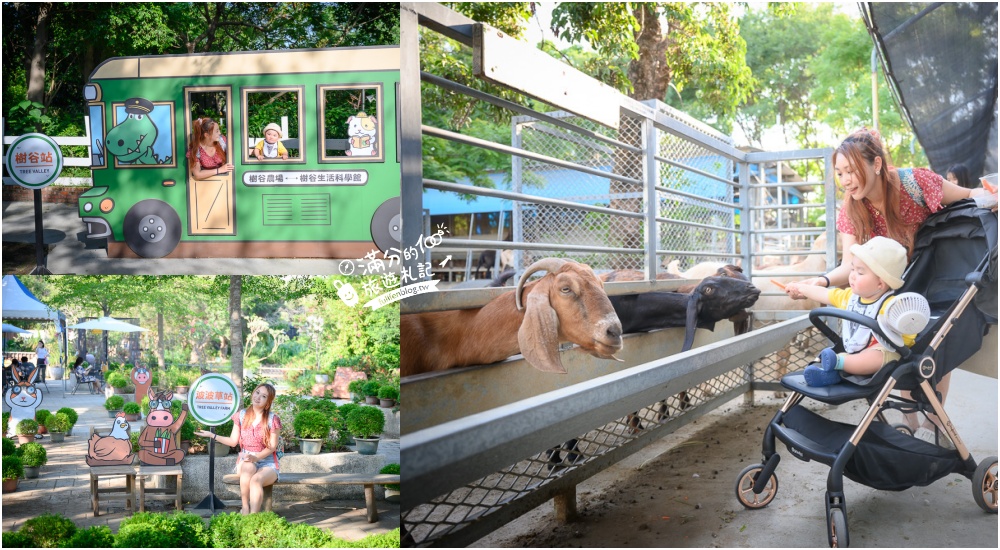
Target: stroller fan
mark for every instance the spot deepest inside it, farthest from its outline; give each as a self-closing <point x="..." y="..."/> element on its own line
<point x="909" y="313"/>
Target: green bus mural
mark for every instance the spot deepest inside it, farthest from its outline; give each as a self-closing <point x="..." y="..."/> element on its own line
<point x="312" y="136"/>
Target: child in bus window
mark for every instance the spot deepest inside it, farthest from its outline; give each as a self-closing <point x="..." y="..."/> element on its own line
<point x="270" y="147"/>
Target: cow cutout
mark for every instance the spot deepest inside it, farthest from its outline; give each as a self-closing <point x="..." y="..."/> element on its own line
<point x="157" y="442"/>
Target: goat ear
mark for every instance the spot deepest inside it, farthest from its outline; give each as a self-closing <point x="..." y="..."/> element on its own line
<point x="691" y="322"/>
<point x="538" y="336"/>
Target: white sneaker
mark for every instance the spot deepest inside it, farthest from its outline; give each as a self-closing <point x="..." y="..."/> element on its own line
<point x="927" y="435"/>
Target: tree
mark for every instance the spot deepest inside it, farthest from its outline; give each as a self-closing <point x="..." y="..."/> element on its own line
<point x="236" y="328"/>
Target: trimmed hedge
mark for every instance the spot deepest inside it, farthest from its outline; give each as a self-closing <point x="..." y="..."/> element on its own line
<point x="152" y="530"/>
<point x="48" y="530"/>
<point x="98" y="536"/>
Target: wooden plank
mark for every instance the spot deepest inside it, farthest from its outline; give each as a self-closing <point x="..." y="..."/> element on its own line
<point x="509" y="62"/>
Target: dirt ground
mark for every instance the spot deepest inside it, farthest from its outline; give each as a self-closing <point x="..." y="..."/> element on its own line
<point x="680" y="492"/>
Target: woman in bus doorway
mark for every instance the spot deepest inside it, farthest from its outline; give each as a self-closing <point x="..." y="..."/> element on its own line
<point x="207" y="151"/>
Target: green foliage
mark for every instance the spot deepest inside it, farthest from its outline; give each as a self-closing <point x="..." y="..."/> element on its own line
<point x="365" y="422"/>
<point x="27" y="116"/>
<point x="17" y="539"/>
<point x="134" y="438"/>
<point x="6" y="419"/>
<point x="48" y="530"/>
<point x="370" y="388"/>
<point x="58" y="423"/>
<point x="224" y="530"/>
<point x="265" y="530"/>
<point x="70" y="415"/>
<point x="154" y="530"/>
<point x="97" y="536"/>
<point x="187" y="429"/>
<point x="117" y="380"/>
<point x="131" y="408"/>
<point x="391" y="468"/>
<point x="114" y="403"/>
<point x="303" y="535"/>
<point x="12" y="467"/>
<point x="33" y="454"/>
<point x="9" y="447"/>
<point x="41" y="415"/>
<point x="325" y="406"/>
<point x="250" y="383"/>
<point x="311" y="424"/>
<point x="380" y="540"/>
<point x="27" y="427"/>
<point x="388" y="392"/>
<point x="355" y="387"/>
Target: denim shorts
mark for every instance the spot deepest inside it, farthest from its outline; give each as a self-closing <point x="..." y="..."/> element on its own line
<point x="266" y="463"/>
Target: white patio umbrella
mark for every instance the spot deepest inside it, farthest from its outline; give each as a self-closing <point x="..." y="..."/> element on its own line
<point x="109" y="324"/>
<point x="11" y="329"/>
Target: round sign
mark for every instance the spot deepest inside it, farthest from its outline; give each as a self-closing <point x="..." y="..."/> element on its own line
<point x="213" y="399"/>
<point x="34" y="161"/>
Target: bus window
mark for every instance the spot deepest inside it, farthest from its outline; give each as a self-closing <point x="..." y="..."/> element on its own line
<point x="352" y="123"/>
<point x="143" y="134"/>
<point x="280" y="107"/>
<point x="97" y="158"/>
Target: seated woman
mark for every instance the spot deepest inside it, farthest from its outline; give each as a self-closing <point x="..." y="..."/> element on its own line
<point x="256" y="430"/>
<point x="83" y="376"/>
<point x="207" y="152"/>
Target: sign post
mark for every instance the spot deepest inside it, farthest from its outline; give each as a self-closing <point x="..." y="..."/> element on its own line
<point x="212" y="400"/>
<point x="35" y="161"/>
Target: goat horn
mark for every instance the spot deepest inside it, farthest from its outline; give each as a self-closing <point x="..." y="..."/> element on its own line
<point x="545" y="264"/>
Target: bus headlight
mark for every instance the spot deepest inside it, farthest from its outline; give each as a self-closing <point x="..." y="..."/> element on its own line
<point x="107" y="205"/>
<point x="88" y="206"/>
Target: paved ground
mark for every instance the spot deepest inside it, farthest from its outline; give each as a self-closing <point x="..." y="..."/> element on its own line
<point x="680" y="491"/>
<point x="63" y="486"/>
<point x="72" y="253"/>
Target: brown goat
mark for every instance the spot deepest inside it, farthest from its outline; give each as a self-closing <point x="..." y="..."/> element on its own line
<point x="567" y="304"/>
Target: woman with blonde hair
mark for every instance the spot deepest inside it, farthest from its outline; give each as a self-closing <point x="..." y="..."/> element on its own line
<point x="255" y="429"/>
<point x="207" y="150"/>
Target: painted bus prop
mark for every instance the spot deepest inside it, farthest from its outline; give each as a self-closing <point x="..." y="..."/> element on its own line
<point x="336" y="195"/>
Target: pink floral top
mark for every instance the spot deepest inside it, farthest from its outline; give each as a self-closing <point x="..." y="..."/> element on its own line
<point x="922" y="197"/>
<point x="211" y="161"/>
<point x="252" y="437"/>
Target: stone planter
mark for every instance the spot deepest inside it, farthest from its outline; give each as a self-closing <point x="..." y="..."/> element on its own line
<point x="366" y="446"/>
<point x="113" y="413"/>
<point x="220" y="449"/>
<point x="386" y="403"/>
<point x="22" y="439"/>
<point x="391" y="495"/>
<point x="10" y="485"/>
<point x="133" y="417"/>
<point x="181" y="390"/>
<point x="311" y="446"/>
<point x="56" y="372"/>
<point x="42" y="430"/>
<point x="31" y="472"/>
<point x="371" y="400"/>
<point x="322" y="378"/>
<point x="57" y="437"/>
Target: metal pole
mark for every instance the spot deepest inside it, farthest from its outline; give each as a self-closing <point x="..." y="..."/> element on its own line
<point x="40" y="269"/>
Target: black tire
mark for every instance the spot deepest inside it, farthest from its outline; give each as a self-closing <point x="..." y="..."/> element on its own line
<point x="836" y="526"/>
<point x="152" y="228"/>
<point x="387" y="226"/>
<point x="904" y="429"/>
<point x="744" y="488"/>
<point x="984" y="485"/>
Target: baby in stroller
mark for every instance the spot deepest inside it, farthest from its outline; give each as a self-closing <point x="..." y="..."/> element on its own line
<point x="876" y="272"/>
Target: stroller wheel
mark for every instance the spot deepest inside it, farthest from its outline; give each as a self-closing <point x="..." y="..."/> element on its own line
<point x="904" y="429"/>
<point x="744" y="488"/>
<point x="837" y="529"/>
<point x="984" y="485"/>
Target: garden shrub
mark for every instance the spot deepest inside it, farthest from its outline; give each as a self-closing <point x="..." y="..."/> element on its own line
<point x="302" y="535"/>
<point x="154" y="530"/>
<point x="134" y="437"/>
<point x="73" y="417"/>
<point x="8" y="447"/>
<point x="27" y="427"/>
<point x="388" y="392"/>
<point x="224" y="530"/>
<point x="310" y="424"/>
<point x="98" y="536"/>
<point x="17" y="539"/>
<point x="381" y="540"/>
<point x="58" y="423"/>
<point x="117" y="380"/>
<point x="262" y="530"/>
<point x="12" y="467"/>
<point x="343" y="411"/>
<point x="48" y="530"/>
<point x="114" y="403"/>
<point x="370" y="388"/>
<point x="41" y="415"/>
<point x="33" y="454"/>
<point x="325" y="406"/>
<point x="391" y="468"/>
<point x="130" y="408"/>
<point x="365" y="422"/>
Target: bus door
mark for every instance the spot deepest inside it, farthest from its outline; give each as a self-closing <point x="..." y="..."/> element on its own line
<point x="211" y="205"/>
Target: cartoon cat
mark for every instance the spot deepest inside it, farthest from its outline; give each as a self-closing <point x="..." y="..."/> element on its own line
<point x="361" y="130"/>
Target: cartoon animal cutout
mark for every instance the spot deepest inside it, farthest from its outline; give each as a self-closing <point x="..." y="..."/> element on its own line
<point x="23" y="398"/>
<point x="114" y="449"/>
<point x="131" y="141"/>
<point x="157" y="442"/>
<point x="142" y="379"/>
<point x="361" y="130"/>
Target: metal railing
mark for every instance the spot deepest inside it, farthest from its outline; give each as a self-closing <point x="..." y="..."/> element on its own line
<point x="656" y="188"/>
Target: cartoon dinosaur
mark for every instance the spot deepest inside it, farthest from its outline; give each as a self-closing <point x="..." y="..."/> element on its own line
<point x="131" y="141"/>
<point x="361" y="130"/>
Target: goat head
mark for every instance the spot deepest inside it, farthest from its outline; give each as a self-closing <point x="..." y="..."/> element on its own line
<point x="715" y="299"/>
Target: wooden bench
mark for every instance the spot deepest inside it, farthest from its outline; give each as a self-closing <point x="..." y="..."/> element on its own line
<point x="368" y="480"/>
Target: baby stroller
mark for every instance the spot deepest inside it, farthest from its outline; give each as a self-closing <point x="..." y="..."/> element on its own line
<point x="875" y="453"/>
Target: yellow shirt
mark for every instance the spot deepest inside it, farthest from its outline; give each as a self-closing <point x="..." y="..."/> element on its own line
<point x="840" y="296"/>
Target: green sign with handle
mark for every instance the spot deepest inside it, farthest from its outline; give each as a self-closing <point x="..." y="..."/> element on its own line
<point x="34" y="161"/>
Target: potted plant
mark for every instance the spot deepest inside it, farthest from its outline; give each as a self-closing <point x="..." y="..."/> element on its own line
<point x="224" y="429"/>
<point x="40" y="416"/>
<point x="114" y="405"/>
<point x="182" y="383"/>
<point x="6" y="418"/>
<point x="58" y="424"/>
<point x="186" y="433"/>
<point x="322" y="378"/>
<point x="12" y="471"/>
<point x="366" y="423"/>
<point x="311" y="427"/>
<point x="117" y="381"/>
<point x="72" y="416"/>
<point x="387" y="396"/>
<point x="342" y="412"/>
<point x="131" y="410"/>
<point x="33" y="457"/>
<point x="356" y="389"/>
<point x="370" y="391"/>
<point x="391" y="489"/>
<point x="26" y="430"/>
